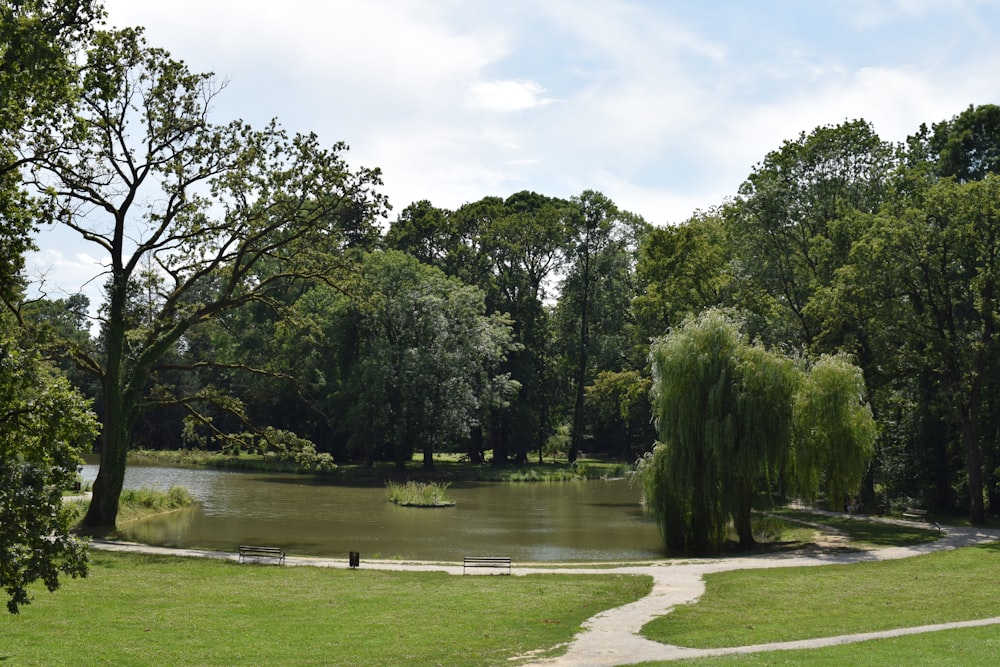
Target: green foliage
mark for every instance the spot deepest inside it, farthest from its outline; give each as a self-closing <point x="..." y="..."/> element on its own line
<point x="682" y="270"/>
<point x="44" y="427"/>
<point x="418" y="494"/>
<point x="927" y="270"/>
<point x="286" y="446"/>
<point x="792" y="228"/>
<point x="427" y="361"/>
<point x="725" y="411"/>
<point x="834" y="430"/>
<point x="618" y="413"/>
<point x="39" y="42"/>
<point x="194" y="220"/>
<point x="967" y="147"/>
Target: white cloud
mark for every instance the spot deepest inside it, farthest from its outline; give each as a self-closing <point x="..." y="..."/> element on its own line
<point x="507" y="95"/>
<point x="665" y="107"/>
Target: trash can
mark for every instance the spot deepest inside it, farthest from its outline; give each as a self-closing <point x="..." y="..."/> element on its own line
<point x="354" y="559"/>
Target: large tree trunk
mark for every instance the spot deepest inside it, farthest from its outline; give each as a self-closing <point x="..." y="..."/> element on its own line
<point x="497" y="441"/>
<point x="475" y="449"/>
<point x="103" y="511"/>
<point x="744" y="524"/>
<point x="974" y="469"/>
<point x="576" y="437"/>
<point x="120" y="413"/>
<point x="116" y="439"/>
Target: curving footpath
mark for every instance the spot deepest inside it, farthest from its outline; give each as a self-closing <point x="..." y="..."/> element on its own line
<point x="612" y="638"/>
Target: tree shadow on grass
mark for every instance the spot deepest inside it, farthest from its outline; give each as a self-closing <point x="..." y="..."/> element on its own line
<point x="861" y="531"/>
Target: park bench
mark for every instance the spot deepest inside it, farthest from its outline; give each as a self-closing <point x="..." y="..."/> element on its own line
<point x="486" y="561"/>
<point x="913" y="513"/>
<point x="256" y="552"/>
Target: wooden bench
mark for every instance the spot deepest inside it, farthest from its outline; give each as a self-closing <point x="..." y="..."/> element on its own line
<point x="250" y="551"/>
<point x="485" y="561"/>
<point x="913" y="513"/>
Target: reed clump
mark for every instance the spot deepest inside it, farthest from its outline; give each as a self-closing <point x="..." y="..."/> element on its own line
<point x="418" y="494"/>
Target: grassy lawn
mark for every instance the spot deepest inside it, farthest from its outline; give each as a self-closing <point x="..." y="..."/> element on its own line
<point x="139" y="610"/>
<point x="950" y="648"/>
<point x="866" y="534"/>
<point x="756" y="606"/>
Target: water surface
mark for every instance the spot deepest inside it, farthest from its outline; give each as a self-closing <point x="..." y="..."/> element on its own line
<point x="307" y="515"/>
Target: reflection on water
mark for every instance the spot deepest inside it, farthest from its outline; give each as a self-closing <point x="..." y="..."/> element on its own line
<point x="565" y="521"/>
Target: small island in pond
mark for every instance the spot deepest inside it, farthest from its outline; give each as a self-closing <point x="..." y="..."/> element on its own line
<point x="418" y="494"/>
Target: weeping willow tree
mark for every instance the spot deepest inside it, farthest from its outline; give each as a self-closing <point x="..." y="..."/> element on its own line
<point x="834" y="432"/>
<point x="732" y="419"/>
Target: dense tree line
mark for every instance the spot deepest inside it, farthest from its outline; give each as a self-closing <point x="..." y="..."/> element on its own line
<point x="255" y="301"/>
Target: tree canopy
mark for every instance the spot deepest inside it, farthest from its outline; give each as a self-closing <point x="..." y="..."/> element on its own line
<point x="252" y="299"/>
<point x="207" y="217"/>
<point x="734" y="419"/>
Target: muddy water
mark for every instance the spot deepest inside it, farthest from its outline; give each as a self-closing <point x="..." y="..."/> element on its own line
<point x="545" y="522"/>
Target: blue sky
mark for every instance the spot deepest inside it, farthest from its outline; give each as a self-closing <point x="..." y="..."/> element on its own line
<point x="663" y="106"/>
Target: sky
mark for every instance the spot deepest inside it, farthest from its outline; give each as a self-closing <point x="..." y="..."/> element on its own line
<point x="663" y="106"/>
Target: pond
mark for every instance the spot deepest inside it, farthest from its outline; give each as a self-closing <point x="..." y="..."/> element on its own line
<point x="307" y="515"/>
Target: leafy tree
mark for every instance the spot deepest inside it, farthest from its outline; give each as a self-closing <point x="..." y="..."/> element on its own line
<point x="619" y="414"/>
<point x="44" y="427"/>
<point x="428" y="356"/>
<point x="726" y="411"/>
<point x="224" y="216"/>
<point x="523" y="243"/>
<point x="834" y="430"/>
<point x="792" y="227"/>
<point x="44" y="424"/>
<point x="683" y="270"/>
<point x="602" y="246"/>
<point x="38" y="42"/>
<point x="931" y="264"/>
<point x="967" y="147"/>
<point x="509" y="249"/>
<point x="424" y="232"/>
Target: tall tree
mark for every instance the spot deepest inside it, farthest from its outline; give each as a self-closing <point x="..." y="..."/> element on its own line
<point x="601" y="248"/>
<point x="145" y="178"/>
<point x="44" y="424"/>
<point x="509" y="249"/>
<point x="682" y="270"/>
<point x="428" y="357"/>
<point x="523" y="243"/>
<point x="793" y="228"/>
<point x="933" y="266"/>
<point x="724" y="411"/>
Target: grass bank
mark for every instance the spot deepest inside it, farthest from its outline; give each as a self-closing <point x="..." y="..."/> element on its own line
<point x="447" y="468"/>
<point x="748" y="607"/>
<point x="137" y="609"/>
<point x="136" y="504"/>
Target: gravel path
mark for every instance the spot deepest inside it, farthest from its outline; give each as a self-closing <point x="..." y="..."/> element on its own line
<point x="612" y="637"/>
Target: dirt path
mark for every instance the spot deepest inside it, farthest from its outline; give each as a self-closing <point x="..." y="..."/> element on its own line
<point x="612" y="638"/>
